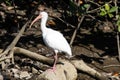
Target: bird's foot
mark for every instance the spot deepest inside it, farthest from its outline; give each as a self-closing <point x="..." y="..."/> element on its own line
<point x="52" y="69"/>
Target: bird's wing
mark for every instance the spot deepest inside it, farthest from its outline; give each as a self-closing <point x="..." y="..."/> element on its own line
<point x="56" y="41"/>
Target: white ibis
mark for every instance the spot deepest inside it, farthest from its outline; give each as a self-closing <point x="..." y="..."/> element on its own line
<point x="53" y="39"/>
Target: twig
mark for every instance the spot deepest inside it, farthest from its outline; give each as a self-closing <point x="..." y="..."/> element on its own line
<point x="94" y="10"/>
<point x="68" y="24"/>
<point x="12" y="55"/>
<point x="93" y="17"/>
<point x="4" y="58"/>
<point x="74" y="34"/>
<point x="111" y="66"/>
<point x="94" y="3"/>
<point x="14" y="42"/>
<point x="118" y="43"/>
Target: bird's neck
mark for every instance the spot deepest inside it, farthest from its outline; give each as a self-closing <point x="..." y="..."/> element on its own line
<point x="43" y="25"/>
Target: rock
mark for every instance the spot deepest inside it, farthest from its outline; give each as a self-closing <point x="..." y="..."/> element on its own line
<point x="64" y="71"/>
<point x="20" y="74"/>
<point x="16" y="76"/>
<point x="15" y="72"/>
<point x="1" y="77"/>
<point x="24" y="75"/>
<point x="34" y="70"/>
<point x="7" y="60"/>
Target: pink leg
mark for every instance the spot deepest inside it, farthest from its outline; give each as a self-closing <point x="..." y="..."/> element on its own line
<point x="54" y="65"/>
<point x="55" y="61"/>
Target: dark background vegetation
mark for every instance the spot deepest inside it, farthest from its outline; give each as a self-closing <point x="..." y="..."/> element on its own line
<point x="96" y="22"/>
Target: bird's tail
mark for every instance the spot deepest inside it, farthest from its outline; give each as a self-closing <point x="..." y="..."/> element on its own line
<point x="69" y="55"/>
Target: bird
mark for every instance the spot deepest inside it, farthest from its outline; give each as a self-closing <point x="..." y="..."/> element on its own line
<point x="52" y="38"/>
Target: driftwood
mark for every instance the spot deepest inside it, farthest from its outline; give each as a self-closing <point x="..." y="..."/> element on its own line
<point x="9" y="49"/>
<point x="65" y="71"/>
<point x="33" y="55"/>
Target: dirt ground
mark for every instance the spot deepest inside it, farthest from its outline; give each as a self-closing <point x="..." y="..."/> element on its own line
<point x="98" y="51"/>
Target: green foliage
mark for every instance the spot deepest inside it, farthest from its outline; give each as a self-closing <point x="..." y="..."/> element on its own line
<point x="107" y="10"/>
<point x="118" y="22"/>
<point x="8" y="2"/>
<point x="107" y="7"/>
<point x="74" y="9"/>
<point x="85" y="6"/>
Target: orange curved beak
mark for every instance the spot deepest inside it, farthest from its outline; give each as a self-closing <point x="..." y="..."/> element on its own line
<point x="36" y="19"/>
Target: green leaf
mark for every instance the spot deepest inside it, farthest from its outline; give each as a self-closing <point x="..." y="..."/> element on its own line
<point x="118" y="28"/>
<point x="103" y="12"/>
<point x="86" y="5"/>
<point x="118" y="24"/>
<point x="102" y="9"/>
<point x="110" y="15"/>
<point x="107" y="7"/>
<point x="113" y="9"/>
<point x="117" y="17"/>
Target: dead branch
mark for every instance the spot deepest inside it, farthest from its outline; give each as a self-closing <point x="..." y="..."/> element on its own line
<point x="33" y="55"/>
<point x="75" y="32"/>
<point x="111" y="66"/>
<point x="14" y="42"/>
<point x="78" y="26"/>
<point x="65" y="71"/>
<point x="80" y="65"/>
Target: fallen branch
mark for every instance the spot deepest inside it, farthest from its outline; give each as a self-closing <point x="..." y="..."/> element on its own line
<point x="80" y="65"/>
<point x="32" y="55"/>
<point x="111" y="66"/>
<point x="64" y="71"/>
<point x="9" y="50"/>
<point x="14" y="42"/>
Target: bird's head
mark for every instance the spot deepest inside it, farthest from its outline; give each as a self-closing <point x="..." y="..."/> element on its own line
<point x="43" y="15"/>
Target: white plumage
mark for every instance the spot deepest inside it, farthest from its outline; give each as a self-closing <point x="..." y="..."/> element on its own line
<point x="53" y="39"/>
<point x="56" y="41"/>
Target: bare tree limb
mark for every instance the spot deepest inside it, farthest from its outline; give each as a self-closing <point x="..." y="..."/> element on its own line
<point x="78" y="64"/>
<point x="78" y="26"/>
<point x="33" y="55"/>
<point x="75" y="32"/>
<point x="14" y="42"/>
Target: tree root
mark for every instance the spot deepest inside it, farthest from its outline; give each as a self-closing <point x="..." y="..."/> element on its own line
<point x="65" y="71"/>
